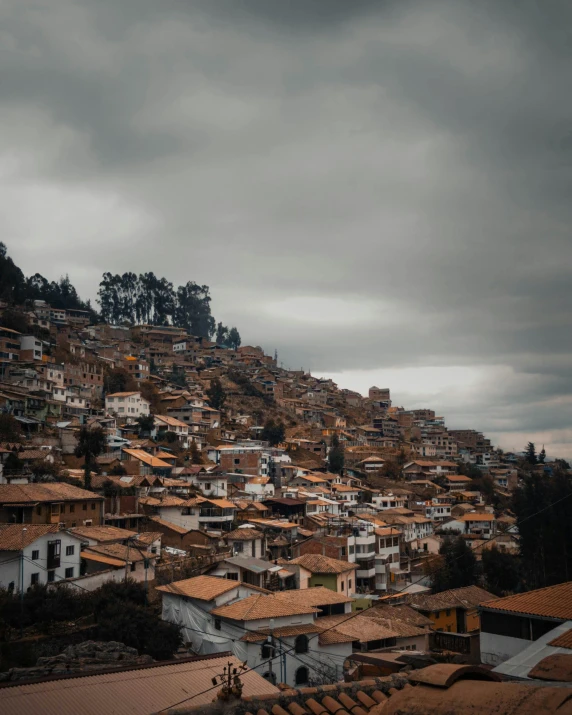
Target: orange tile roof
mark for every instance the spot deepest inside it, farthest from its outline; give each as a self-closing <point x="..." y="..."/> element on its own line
<point x="562" y="641"/>
<point x="477" y="516"/>
<point x="316" y="563"/>
<point x="315" y="596"/>
<point x="466" y="597"/>
<point x="146" y="458"/>
<point x="13" y="537"/>
<point x="203" y="588"/>
<point x="101" y="533"/>
<point x="172" y="421"/>
<point x="123" y="394"/>
<point x="244" y="535"/>
<point x="52" y="492"/>
<point x="549" y="602"/>
<point x="169" y="525"/>
<point x="260" y="606"/>
<point x="102" y="559"/>
<point x="457" y="478"/>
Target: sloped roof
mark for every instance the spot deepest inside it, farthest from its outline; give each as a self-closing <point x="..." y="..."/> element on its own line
<point x="262" y="606"/>
<point x="314" y="597"/>
<point x="549" y="602"/>
<point x="316" y="563"/>
<point x="203" y="588"/>
<point x="243" y="535"/>
<point x="33" y="493"/>
<point x="13" y="537"/>
<point x="102" y="533"/>
<point x="466" y="597"/>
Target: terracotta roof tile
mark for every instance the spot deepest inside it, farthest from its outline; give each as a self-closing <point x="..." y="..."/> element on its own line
<point x="285" y="632"/>
<point x="262" y="606"/>
<point x="204" y="588"/>
<point x="243" y="535"/>
<point x="12" y="536"/>
<point x="466" y="597"/>
<point x="33" y="493"/>
<point x="316" y="563"/>
<point x="550" y="602"/>
<point x="562" y="641"/>
<point x="315" y="596"/>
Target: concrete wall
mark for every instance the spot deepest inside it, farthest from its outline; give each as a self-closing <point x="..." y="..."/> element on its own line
<point x="10" y="561"/>
<point x="496" y="649"/>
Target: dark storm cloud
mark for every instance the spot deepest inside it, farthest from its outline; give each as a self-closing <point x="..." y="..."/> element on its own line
<point x="407" y="163"/>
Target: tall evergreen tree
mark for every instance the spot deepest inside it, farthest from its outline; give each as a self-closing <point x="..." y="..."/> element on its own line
<point x="216" y="394"/>
<point x="336" y="457"/>
<point x="530" y="453"/>
<point x="91" y="443"/>
<point x="457" y="566"/>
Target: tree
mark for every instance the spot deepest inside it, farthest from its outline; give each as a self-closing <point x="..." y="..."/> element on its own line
<point x="234" y="338"/>
<point x="216" y="394"/>
<point x="14" y="319"/>
<point x="118" y="380"/>
<point x="195" y="453"/>
<point x="336" y="457"/>
<point x="193" y="310"/>
<point x="177" y="377"/>
<point x="542" y="456"/>
<point x="502" y="571"/>
<point x="530" y="453"/>
<point x="543" y="508"/>
<point x="273" y="432"/>
<point x="91" y="443"/>
<point x="146" y="424"/>
<point x="458" y="566"/>
<point x="9" y="428"/>
<point x="221" y="334"/>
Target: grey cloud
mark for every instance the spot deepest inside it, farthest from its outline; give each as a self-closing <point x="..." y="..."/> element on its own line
<point x="412" y="156"/>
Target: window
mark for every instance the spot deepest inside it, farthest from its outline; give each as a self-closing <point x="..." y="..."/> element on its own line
<point x="69" y="572"/>
<point x="35" y="555"/>
<point x="267" y="650"/>
<point x="232" y="576"/>
<point x="217" y="623"/>
<point x="55" y="509"/>
<point x="301" y="677"/>
<point x="93" y="506"/>
<point x="237" y="460"/>
<point x="72" y="508"/>
<point x="352" y="549"/>
<point x="342" y="586"/>
<point x="238" y="547"/>
<point x="343" y="550"/>
<point x="301" y="644"/>
<point x="133" y="567"/>
<point x="448" y="612"/>
<point x="35" y="578"/>
<point x="51" y="576"/>
<point x="349" y="585"/>
<point x="70" y="550"/>
<point x="207" y="485"/>
<point x="39" y="510"/>
<point x="84" y="506"/>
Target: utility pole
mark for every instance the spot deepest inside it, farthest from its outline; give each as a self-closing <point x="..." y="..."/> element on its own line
<point x="24" y="530"/>
<point x="270" y="664"/>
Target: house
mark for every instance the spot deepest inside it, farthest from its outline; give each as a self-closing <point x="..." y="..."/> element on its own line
<point x="419" y="468"/>
<point x="94" y="535"/>
<point x="50" y="503"/>
<point x="246" y="510"/>
<point x="127" y="560"/>
<point x="370" y="464"/>
<point x="130" y="405"/>
<point x="253" y="571"/>
<point x="246" y="541"/>
<point x="336" y="575"/>
<point x="480" y="523"/>
<point x="258" y="486"/>
<point x="147" y="463"/>
<point x="456" y="482"/>
<point x="380" y="627"/>
<point x="166" y="423"/>
<point x="387" y="558"/>
<point x="510" y="625"/>
<point x="453" y="611"/>
<point x="288" y="626"/>
<point x="178" y="537"/>
<point x="183" y="513"/>
<point x="36" y="554"/>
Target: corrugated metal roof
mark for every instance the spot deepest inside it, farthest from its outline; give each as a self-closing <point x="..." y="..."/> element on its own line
<point x="141" y="691"/>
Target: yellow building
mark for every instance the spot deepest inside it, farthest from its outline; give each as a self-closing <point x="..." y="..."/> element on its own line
<point x="454" y="611"/>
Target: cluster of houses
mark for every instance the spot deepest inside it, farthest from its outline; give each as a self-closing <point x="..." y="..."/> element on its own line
<point x="200" y="482"/>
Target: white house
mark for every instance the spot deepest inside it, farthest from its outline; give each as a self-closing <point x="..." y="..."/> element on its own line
<point x="275" y="629"/>
<point x="387" y="556"/>
<point x="480" y="523"/>
<point x="246" y="541"/>
<point x="127" y="404"/>
<point x="166" y="423"/>
<point x="258" y="486"/>
<point x="388" y="501"/>
<point x="34" y="554"/>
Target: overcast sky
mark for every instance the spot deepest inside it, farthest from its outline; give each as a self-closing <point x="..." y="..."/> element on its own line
<point x="378" y="189"/>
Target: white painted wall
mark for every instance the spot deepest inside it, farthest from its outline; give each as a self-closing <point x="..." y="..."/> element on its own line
<point x="10" y="562"/>
<point x="174" y="515"/>
<point x="496" y="649"/>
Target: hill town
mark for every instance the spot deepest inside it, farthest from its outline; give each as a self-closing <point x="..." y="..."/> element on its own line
<point x="174" y="501"/>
